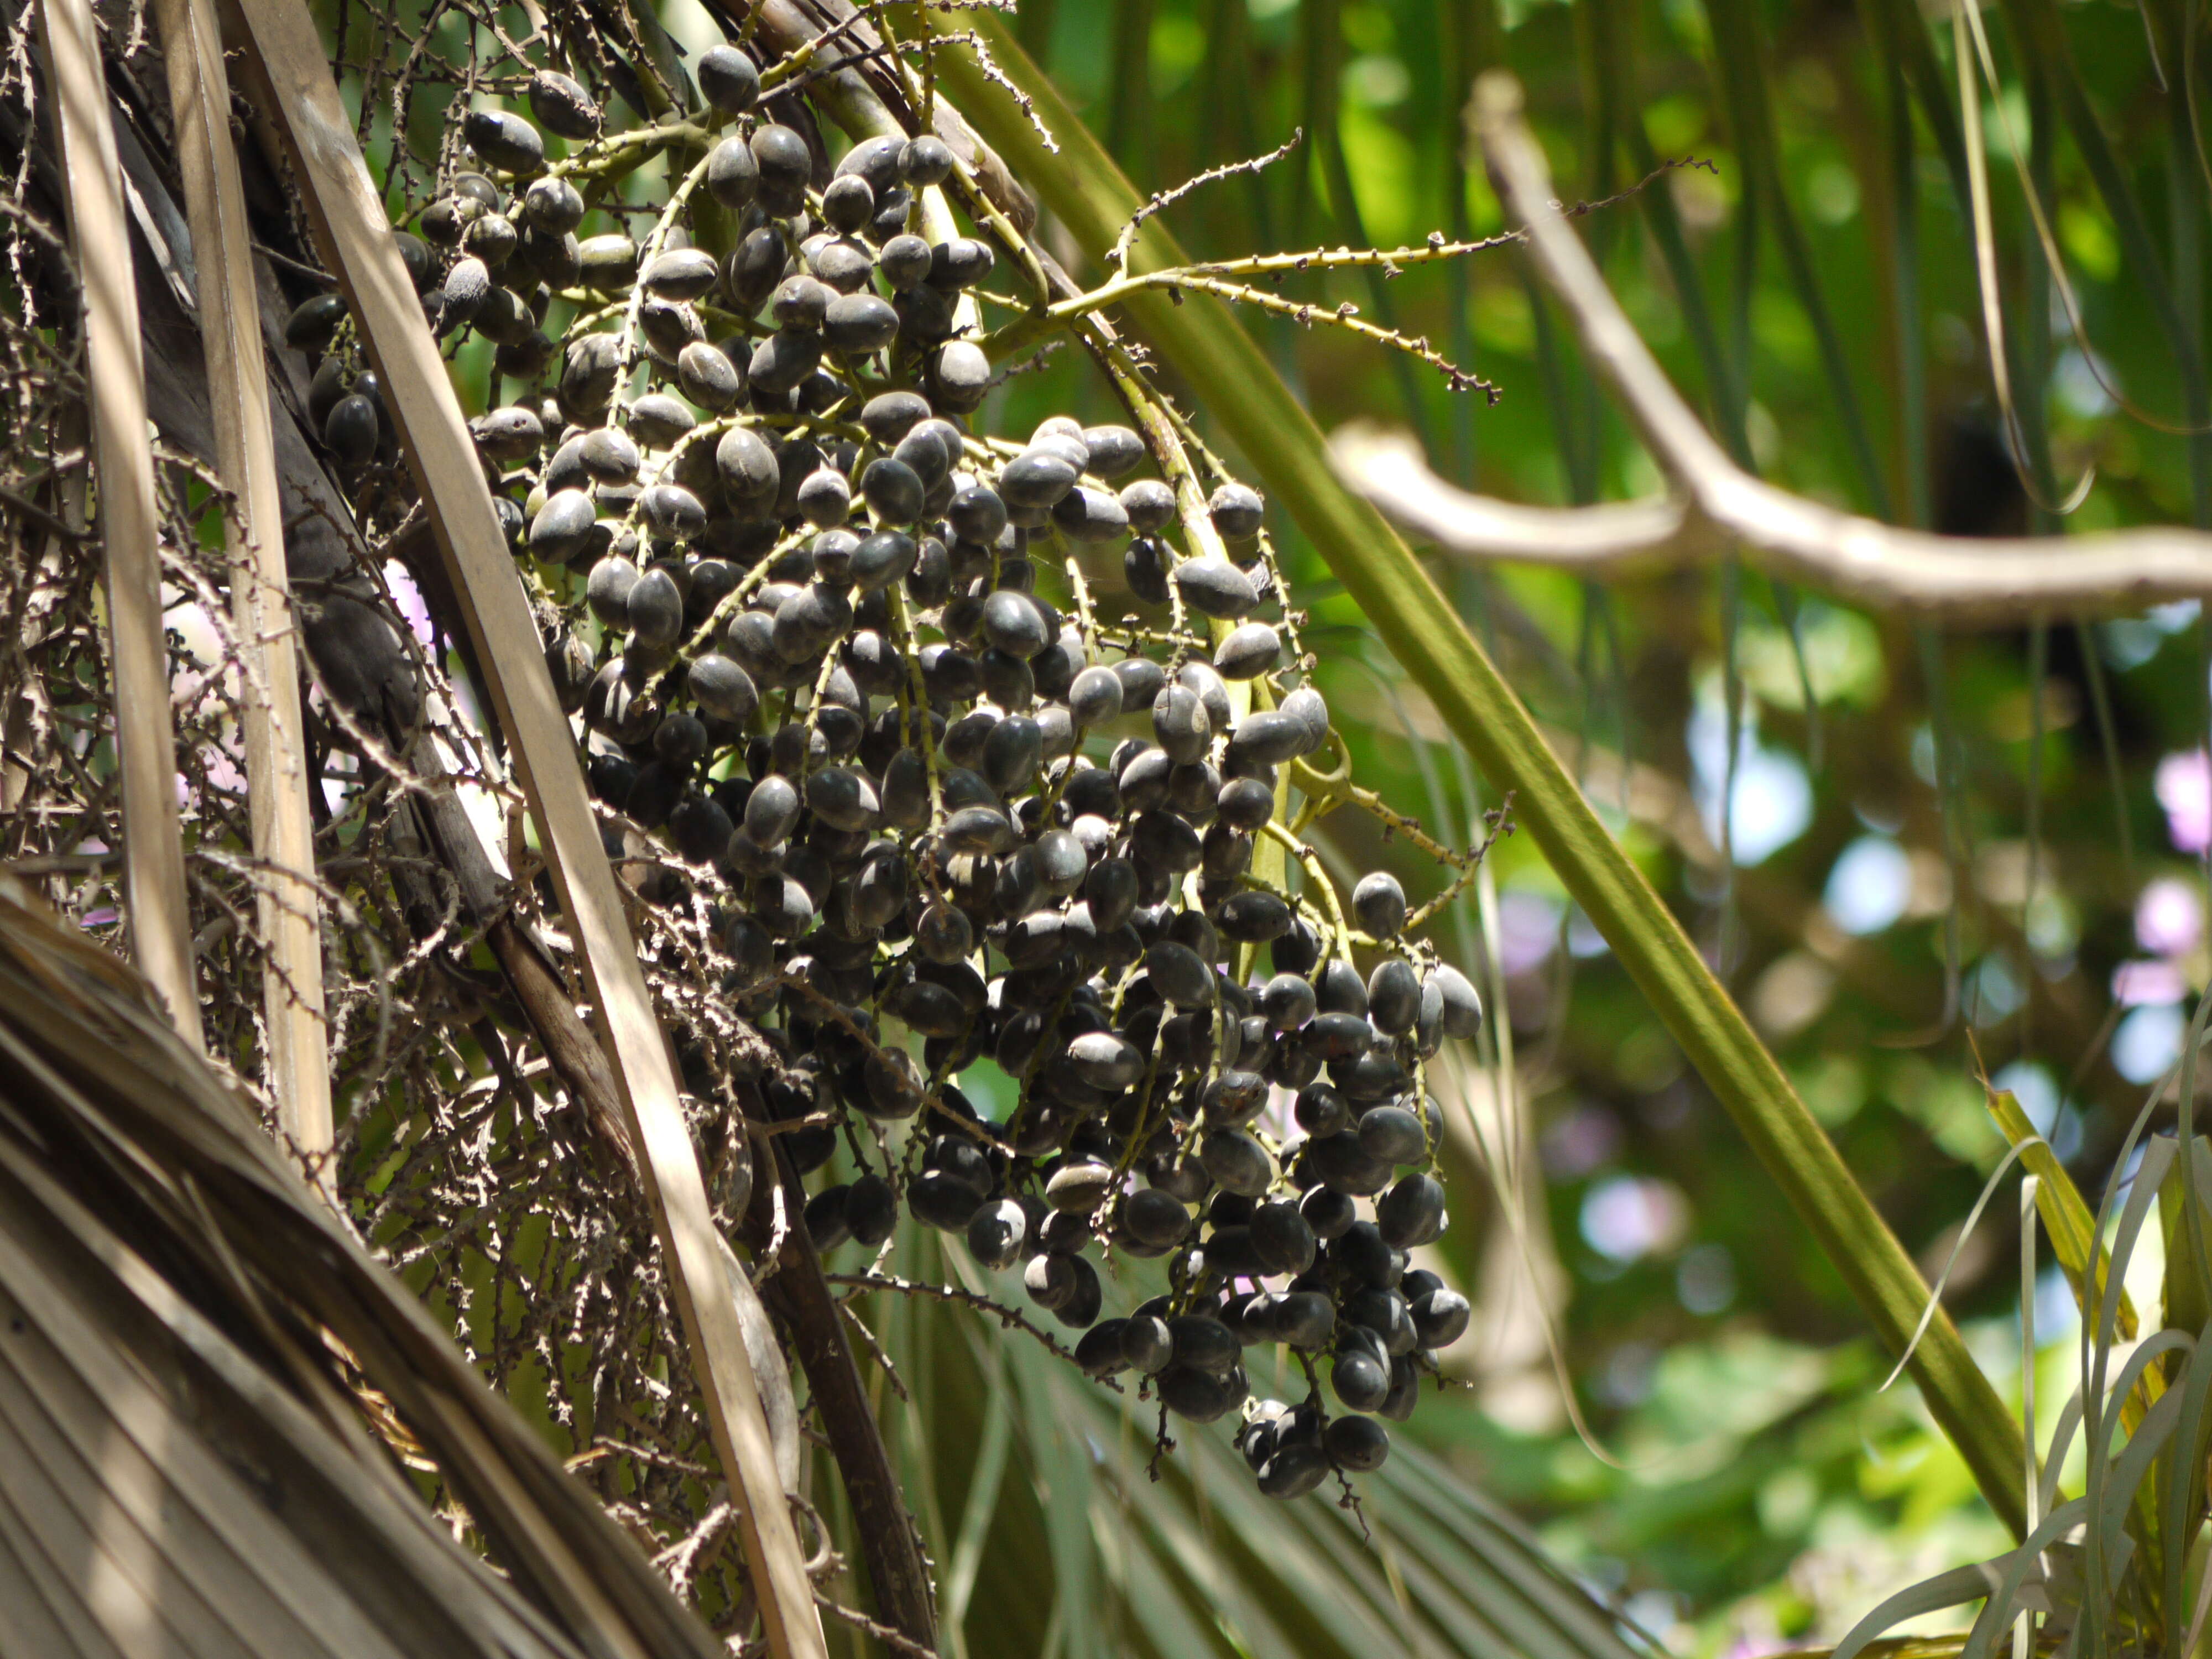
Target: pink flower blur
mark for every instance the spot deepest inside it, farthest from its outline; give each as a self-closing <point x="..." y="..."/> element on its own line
<point x="411" y="602"/>
<point x="2169" y="917"/>
<point x="2137" y="984"/>
<point x="2185" y="790"/>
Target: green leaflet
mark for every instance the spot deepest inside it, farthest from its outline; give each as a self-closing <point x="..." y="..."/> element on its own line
<point x="2066" y="1215"/>
<point x="1074" y="1549"/>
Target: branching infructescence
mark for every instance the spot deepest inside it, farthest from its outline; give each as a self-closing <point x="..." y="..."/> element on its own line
<point x="925" y="751"/>
<point x="1192" y="279"/>
<point x="1219" y="277"/>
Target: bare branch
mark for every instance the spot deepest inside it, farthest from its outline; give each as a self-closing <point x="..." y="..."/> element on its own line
<point x="1717" y="505"/>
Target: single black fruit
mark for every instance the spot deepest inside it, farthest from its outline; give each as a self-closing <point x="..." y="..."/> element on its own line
<point x="351" y="430"/>
<point x="1359" y="1443"/>
<point x="315" y="322"/>
<point x="871" y="1210"/>
<point x="562" y="107"/>
<point x="727" y="79"/>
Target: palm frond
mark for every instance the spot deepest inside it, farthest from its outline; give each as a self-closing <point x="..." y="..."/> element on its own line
<point x="146" y="742"/>
<point x="190" y="1336"/>
<point x="1084" y="1543"/>
<point x="300" y="97"/>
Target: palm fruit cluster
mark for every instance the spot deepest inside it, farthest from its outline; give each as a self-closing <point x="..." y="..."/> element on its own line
<point x="837" y="649"/>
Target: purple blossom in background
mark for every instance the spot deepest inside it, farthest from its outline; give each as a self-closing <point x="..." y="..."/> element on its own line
<point x="223" y="767"/>
<point x="106" y="915"/>
<point x="1527" y="931"/>
<point x="2185" y="790"/>
<point x="1584" y="1140"/>
<point x="409" y="601"/>
<point x="2143" y="984"/>
<point x="2169" y="926"/>
<point x="2169" y="917"/>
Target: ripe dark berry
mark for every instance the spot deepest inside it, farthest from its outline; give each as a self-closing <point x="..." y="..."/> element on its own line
<point x="728" y="79"/>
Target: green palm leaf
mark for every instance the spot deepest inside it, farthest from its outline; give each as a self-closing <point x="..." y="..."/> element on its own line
<point x="1079" y="1550"/>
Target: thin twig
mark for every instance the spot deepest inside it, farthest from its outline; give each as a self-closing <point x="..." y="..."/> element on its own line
<point x="1009" y="1317"/>
<point x="1118" y="255"/>
<point x="884" y="1633"/>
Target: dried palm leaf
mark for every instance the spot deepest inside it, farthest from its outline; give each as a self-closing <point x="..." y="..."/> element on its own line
<point x="146" y="744"/>
<point x="246" y="458"/>
<point x="182" y="1467"/>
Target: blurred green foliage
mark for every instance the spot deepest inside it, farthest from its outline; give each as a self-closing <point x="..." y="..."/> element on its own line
<point x="1972" y="850"/>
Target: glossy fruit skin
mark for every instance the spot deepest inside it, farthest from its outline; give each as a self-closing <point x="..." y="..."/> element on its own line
<point x="729" y="79"/>
<point x="314" y="322"/>
<point x="562" y="107"/>
<point x="350" y="430"/>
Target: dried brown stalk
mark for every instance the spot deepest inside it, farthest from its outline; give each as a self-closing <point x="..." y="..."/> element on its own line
<point x="292" y="81"/>
<point x="246" y="458"/>
<point x="1716" y="507"/>
<point x="154" y="850"/>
